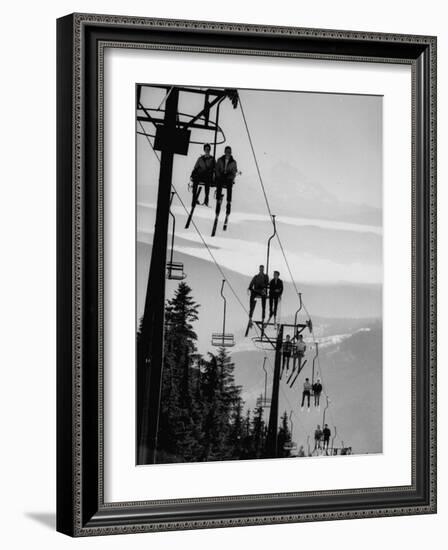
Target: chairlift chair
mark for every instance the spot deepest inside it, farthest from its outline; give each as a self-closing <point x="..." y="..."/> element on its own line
<point x="263" y="402"/>
<point x="290" y="445"/>
<point x="265" y="340"/>
<point x="174" y="270"/>
<point x="223" y="339"/>
<point x="258" y="296"/>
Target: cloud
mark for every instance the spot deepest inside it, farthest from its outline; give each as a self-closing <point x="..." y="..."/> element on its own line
<point x="240" y="217"/>
<point x="296" y="221"/>
<point x="245" y="256"/>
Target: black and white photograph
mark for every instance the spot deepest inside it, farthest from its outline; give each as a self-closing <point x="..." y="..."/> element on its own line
<point x="259" y="274"/>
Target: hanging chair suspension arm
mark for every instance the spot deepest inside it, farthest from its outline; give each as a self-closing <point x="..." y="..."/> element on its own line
<point x="173" y="217"/>
<point x="299" y="310"/>
<point x="292" y="425"/>
<point x="314" y="360"/>
<point x="269" y="243"/>
<point x="224" y="315"/>
<point x="325" y="410"/>
<point x="265" y="379"/>
<point x="215" y="138"/>
<point x="333" y="438"/>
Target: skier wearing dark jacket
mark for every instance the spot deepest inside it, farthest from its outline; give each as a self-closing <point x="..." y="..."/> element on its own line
<point x="203" y="172"/>
<point x="258" y="288"/>
<point x="306" y="392"/>
<point x="317" y="390"/>
<point x="225" y="172"/>
<point x="286" y="352"/>
<point x="275" y="292"/>
<point x="326" y="435"/>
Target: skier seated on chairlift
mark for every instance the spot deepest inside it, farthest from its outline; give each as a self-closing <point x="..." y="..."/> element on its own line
<point x="225" y="173"/>
<point x="317" y="390"/>
<point x="326" y="433"/>
<point x="203" y="172"/>
<point x="306" y="393"/>
<point x="318" y="434"/>
<point x="275" y="293"/>
<point x="258" y="288"/>
<point x="286" y="351"/>
<point x="300" y="347"/>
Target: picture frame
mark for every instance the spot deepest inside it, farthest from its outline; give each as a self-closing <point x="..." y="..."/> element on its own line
<point x="81" y="506"/>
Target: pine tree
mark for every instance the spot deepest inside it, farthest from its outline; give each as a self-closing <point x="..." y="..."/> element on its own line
<point x="178" y="436"/>
<point x="222" y="403"/>
<point x="258" y="433"/>
<point x="283" y="437"/>
<point x="201" y="406"/>
<point x="247" y="450"/>
<point x="236" y="433"/>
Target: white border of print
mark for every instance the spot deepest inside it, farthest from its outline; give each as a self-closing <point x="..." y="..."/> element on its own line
<point x="123" y="481"/>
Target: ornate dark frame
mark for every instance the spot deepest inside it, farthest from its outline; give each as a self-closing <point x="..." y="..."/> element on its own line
<point x="81" y="39"/>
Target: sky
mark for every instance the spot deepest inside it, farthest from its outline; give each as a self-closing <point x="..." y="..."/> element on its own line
<point x="320" y="159"/>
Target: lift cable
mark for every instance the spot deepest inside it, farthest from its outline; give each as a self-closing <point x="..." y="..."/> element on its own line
<point x="148" y="140"/>
<point x="255" y="158"/>
<point x="265" y="195"/>
<point x="165" y="98"/>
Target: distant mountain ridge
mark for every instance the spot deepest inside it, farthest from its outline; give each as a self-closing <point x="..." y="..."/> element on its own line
<point x="333" y="301"/>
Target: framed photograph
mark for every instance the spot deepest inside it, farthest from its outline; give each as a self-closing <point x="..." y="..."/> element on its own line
<point x="246" y="274"/>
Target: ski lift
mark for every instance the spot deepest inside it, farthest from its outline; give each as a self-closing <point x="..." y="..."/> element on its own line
<point x="333" y="438"/>
<point x="223" y="339"/>
<point x="212" y="98"/>
<point x="263" y="401"/>
<point x="299" y="327"/>
<point x="263" y="295"/>
<point x="299" y="370"/>
<point x="290" y="445"/>
<point x="174" y="270"/>
<point x="316" y="344"/>
<point x="266" y="340"/>
<point x="269" y="243"/>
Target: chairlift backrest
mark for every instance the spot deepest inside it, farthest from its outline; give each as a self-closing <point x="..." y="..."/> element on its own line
<point x="175" y="271"/>
<point x="263" y="402"/>
<point x="223" y="340"/>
